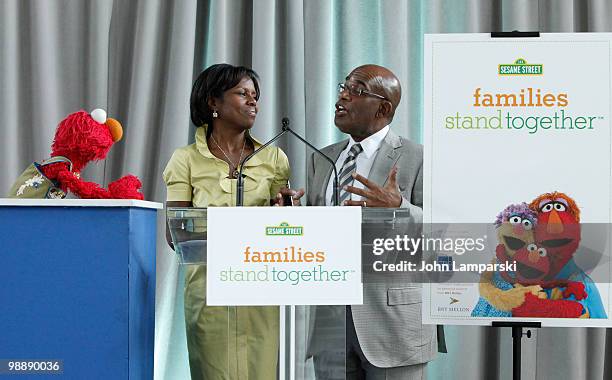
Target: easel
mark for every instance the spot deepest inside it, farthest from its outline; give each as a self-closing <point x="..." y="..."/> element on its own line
<point x="517" y="327"/>
<point x="517" y="335"/>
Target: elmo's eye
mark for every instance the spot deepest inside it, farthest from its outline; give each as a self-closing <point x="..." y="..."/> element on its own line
<point x="542" y="252"/>
<point x="515" y="219"/>
<point x="547" y="207"/>
<point x="532" y="247"/>
<point x="527" y="224"/>
<point x="559" y="207"/>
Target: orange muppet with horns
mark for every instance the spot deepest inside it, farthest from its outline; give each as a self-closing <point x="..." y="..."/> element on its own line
<point x="558" y="228"/>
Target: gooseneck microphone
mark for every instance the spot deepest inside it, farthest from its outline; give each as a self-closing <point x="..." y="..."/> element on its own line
<point x="240" y="182"/>
<point x="285" y="128"/>
<point x="336" y="188"/>
<point x="285" y="123"/>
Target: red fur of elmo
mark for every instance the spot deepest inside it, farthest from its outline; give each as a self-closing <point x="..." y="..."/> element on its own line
<point x="81" y="139"/>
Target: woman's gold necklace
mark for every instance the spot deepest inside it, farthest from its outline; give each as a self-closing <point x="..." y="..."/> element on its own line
<point x="235" y="173"/>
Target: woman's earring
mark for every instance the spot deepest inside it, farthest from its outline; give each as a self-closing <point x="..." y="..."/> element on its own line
<point x="215" y="114"/>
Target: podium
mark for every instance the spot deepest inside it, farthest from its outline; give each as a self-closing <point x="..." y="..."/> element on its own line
<point x="79" y="286"/>
<point x="312" y="338"/>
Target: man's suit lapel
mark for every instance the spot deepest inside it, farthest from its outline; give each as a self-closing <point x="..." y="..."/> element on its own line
<point x="333" y="153"/>
<point x="386" y="157"/>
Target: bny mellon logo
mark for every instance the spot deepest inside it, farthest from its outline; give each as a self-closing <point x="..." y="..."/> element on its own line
<point x="520" y="67"/>
<point x="453" y="300"/>
<point x="284" y="229"/>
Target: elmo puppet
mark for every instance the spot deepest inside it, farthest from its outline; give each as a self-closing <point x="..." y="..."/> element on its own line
<point x="80" y="138"/>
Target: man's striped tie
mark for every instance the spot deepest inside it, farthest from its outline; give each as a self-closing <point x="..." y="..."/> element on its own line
<point x="348" y="168"/>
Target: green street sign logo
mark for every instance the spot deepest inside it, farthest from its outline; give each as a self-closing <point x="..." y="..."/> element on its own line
<point x="284" y="229"/>
<point x="520" y="67"/>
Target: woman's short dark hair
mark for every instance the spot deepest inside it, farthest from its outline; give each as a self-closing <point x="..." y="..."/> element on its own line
<point x="212" y="83"/>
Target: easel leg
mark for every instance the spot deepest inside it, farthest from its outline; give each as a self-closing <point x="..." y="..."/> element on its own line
<point x="517" y="335"/>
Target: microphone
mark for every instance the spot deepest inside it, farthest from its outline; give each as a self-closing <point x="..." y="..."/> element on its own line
<point x="285" y="123"/>
<point x="285" y="128"/>
<point x="336" y="187"/>
<point x="240" y="182"/>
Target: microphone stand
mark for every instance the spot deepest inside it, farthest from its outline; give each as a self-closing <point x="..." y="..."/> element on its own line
<point x="336" y="188"/>
<point x="285" y="129"/>
<point x="240" y="183"/>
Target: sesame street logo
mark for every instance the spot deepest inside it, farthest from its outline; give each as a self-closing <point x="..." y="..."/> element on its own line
<point x="284" y="229"/>
<point x="520" y="67"/>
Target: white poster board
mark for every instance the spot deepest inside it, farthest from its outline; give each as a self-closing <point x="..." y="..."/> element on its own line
<point x="284" y="256"/>
<point x="507" y="120"/>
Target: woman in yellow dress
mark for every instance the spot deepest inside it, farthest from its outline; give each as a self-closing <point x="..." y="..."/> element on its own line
<point x="227" y="343"/>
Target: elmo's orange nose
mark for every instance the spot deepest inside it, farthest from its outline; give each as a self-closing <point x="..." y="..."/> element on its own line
<point x="115" y="129"/>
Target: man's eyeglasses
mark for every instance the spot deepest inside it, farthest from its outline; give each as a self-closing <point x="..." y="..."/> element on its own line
<point x="357" y="91"/>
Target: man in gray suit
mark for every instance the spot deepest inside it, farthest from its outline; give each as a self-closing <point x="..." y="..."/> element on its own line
<point x="384" y="337"/>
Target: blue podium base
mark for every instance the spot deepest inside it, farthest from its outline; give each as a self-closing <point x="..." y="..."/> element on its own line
<point x="79" y="286"/>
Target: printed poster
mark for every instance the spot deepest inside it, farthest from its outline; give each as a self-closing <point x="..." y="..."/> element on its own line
<point x="518" y="155"/>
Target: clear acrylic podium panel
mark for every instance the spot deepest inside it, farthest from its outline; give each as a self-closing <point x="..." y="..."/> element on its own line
<point x="311" y="338"/>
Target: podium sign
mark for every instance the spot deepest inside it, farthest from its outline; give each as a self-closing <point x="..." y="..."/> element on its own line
<point x="284" y="256"/>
